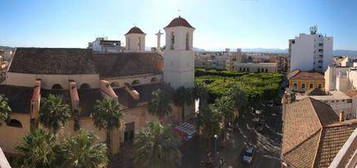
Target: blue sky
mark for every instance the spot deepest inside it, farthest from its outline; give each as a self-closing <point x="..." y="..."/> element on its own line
<point x="219" y="23"/>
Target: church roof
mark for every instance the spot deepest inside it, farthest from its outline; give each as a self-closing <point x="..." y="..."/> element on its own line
<point x="52" y="61"/>
<point x="135" y="30"/>
<point x="179" y="21"/>
<point x="128" y="64"/>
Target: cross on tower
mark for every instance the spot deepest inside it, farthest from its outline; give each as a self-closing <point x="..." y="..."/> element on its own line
<point x="158" y="34"/>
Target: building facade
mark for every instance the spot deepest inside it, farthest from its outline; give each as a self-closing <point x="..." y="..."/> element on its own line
<point x="83" y="76"/>
<point x="310" y="52"/>
<point x="303" y="81"/>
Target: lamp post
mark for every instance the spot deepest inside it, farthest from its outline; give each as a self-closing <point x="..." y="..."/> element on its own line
<point x="215" y="149"/>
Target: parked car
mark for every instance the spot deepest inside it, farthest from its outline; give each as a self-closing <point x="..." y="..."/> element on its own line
<point x="248" y="155"/>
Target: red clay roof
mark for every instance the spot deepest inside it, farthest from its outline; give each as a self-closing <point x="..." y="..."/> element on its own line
<point x="308" y="76"/>
<point x="179" y="21"/>
<point x="135" y="30"/>
<point x="312" y="135"/>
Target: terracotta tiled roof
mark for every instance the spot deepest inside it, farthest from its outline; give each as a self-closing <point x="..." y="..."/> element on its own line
<point x="179" y="21"/>
<point x="308" y="76"/>
<point x="332" y="140"/>
<point x="315" y="92"/>
<point x="135" y="30"/>
<point x="312" y="135"/>
<point x="127" y="64"/>
<point x="351" y="93"/>
<point x="52" y="61"/>
<point x="145" y="92"/>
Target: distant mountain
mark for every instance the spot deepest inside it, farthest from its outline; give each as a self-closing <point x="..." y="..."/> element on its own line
<point x="345" y="53"/>
<point x="265" y="50"/>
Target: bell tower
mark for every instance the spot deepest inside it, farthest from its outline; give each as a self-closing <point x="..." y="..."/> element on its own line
<point x="135" y="40"/>
<point x="178" y="55"/>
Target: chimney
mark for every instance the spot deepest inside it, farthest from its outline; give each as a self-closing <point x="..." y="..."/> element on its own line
<point x="342" y="116"/>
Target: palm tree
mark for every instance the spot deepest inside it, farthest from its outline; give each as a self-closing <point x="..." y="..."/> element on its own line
<point x="183" y="96"/>
<point x="83" y="151"/>
<point x="160" y="104"/>
<point x="54" y="113"/>
<point x="240" y="99"/>
<point x="210" y="121"/>
<point x="107" y="115"/>
<point x="201" y="92"/>
<point x="39" y="149"/>
<point x="4" y="109"/>
<point x="156" y="146"/>
<point x="225" y="105"/>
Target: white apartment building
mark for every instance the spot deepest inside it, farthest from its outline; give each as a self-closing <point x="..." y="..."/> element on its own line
<point x="102" y="45"/>
<point x="310" y="52"/>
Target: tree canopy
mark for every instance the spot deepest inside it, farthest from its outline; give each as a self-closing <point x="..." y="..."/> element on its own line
<point x="54" y="113"/>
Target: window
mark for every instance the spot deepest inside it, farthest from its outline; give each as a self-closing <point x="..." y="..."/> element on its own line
<point x="337" y="101"/>
<point x="295" y="86"/>
<point x="321" y="44"/>
<point x="187" y="41"/>
<point x="139" y="43"/>
<point x="154" y="79"/>
<point x="321" y="50"/>
<point x="320" y="86"/>
<point x="172" y="41"/>
<point x="57" y="86"/>
<point x="128" y="44"/>
<point x="85" y="86"/>
<point x="266" y="70"/>
<point x="114" y="84"/>
<point x="311" y="86"/>
<point x="135" y="82"/>
<point x="14" y="123"/>
<point x="303" y="86"/>
<point x="349" y="100"/>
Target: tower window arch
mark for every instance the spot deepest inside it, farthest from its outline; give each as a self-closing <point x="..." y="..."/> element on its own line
<point x="187" y="41"/>
<point x="139" y="43"/>
<point x="128" y="44"/>
<point x="172" y="41"/>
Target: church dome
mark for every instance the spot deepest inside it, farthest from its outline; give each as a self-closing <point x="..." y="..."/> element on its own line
<point x="179" y="21"/>
<point x="135" y="30"/>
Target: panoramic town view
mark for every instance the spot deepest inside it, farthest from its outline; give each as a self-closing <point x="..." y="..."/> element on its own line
<point x="178" y="84"/>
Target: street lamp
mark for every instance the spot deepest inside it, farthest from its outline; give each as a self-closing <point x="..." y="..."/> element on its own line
<point x="215" y="148"/>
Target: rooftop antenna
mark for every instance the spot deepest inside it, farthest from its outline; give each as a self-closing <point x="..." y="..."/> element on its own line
<point x="313" y="30"/>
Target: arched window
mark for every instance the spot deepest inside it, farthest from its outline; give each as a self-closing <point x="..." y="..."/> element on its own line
<point x="135" y="82"/>
<point x="14" y="123"/>
<point x="187" y="41"/>
<point x="85" y="86"/>
<point x="266" y="70"/>
<point x="172" y="41"/>
<point x="258" y="70"/>
<point x="303" y="86"/>
<point x="114" y="84"/>
<point x="311" y="86"/>
<point x="139" y="43"/>
<point x="128" y="44"/>
<point x="57" y="86"/>
<point x="154" y="79"/>
<point x="295" y="86"/>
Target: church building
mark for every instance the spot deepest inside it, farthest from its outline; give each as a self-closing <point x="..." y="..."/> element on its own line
<point x="83" y="76"/>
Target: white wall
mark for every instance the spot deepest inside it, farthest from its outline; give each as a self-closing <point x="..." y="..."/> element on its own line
<point x="48" y="80"/>
<point x="133" y="40"/>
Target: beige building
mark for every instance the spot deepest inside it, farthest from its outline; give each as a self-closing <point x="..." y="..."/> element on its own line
<point x="256" y="67"/>
<point x="81" y="77"/>
<point x="302" y="81"/>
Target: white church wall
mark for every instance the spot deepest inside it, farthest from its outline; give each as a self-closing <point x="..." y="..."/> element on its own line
<point x="48" y="80"/>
